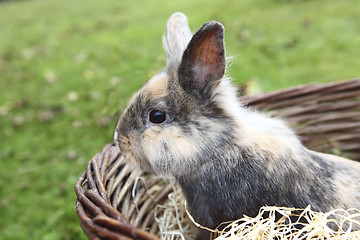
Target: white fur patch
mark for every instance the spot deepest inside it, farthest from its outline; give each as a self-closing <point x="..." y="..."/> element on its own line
<point x="177" y="158"/>
<point x="256" y="130"/>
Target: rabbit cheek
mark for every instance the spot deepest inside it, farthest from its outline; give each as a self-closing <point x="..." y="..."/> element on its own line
<point x="168" y="151"/>
<point x="155" y="149"/>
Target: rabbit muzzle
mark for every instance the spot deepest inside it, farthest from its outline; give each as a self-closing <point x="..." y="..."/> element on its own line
<point x="131" y="150"/>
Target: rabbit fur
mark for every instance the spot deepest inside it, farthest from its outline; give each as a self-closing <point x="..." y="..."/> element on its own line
<point x="228" y="159"/>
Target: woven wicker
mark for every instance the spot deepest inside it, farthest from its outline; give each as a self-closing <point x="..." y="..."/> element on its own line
<point x="326" y="117"/>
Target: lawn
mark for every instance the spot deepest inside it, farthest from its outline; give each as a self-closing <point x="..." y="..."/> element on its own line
<point x="68" y="68"/>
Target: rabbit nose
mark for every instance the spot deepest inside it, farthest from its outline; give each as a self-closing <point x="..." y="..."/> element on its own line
<point x="121" y="135"/>
<point x="117" y="135"/>
<point x="119" y="131"/>
<point x="123" y="128"/>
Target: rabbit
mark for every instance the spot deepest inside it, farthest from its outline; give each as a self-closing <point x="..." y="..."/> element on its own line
<point x="229" y="160"/>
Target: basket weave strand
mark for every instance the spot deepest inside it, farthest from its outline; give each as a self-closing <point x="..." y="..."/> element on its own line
<point x="115" y="200"/>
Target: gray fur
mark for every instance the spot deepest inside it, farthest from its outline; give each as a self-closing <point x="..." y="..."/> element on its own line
<point x="229" y="160"/>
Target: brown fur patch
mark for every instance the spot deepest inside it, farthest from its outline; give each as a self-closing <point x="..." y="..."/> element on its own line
<point x="156" y="87"/>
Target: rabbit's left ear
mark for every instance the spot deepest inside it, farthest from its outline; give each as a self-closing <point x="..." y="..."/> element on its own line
<point x="176" y="38"/>
<point x="203" y="63"/>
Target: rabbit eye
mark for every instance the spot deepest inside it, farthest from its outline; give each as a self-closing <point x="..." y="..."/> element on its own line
<point x="157" y="117"/>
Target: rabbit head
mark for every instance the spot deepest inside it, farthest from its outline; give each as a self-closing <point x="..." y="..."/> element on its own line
<point x="184" y="116"/>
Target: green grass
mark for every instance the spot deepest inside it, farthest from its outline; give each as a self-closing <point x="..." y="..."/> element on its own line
<point x="68" y="68"/>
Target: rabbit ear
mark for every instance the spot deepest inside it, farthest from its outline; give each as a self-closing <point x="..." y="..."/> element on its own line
<point x="176" y="38"/>
<point x="203" y="62"/>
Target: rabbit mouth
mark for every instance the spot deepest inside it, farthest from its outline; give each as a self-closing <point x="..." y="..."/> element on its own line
<point x="130" y="155"/>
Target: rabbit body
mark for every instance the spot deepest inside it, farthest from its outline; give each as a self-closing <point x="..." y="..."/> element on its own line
<point x="186" y="122"/>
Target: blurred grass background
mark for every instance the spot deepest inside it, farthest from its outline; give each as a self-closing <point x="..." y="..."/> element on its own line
<point x="68" y="68"/>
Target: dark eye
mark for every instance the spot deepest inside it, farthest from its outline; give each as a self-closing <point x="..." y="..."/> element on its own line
<point x="157" y="117"/>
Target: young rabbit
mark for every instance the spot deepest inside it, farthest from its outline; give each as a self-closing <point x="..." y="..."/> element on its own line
<point x="186" y="122"/>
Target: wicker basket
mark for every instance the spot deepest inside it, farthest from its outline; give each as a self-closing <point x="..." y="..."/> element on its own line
<point x="326" y="117"/>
